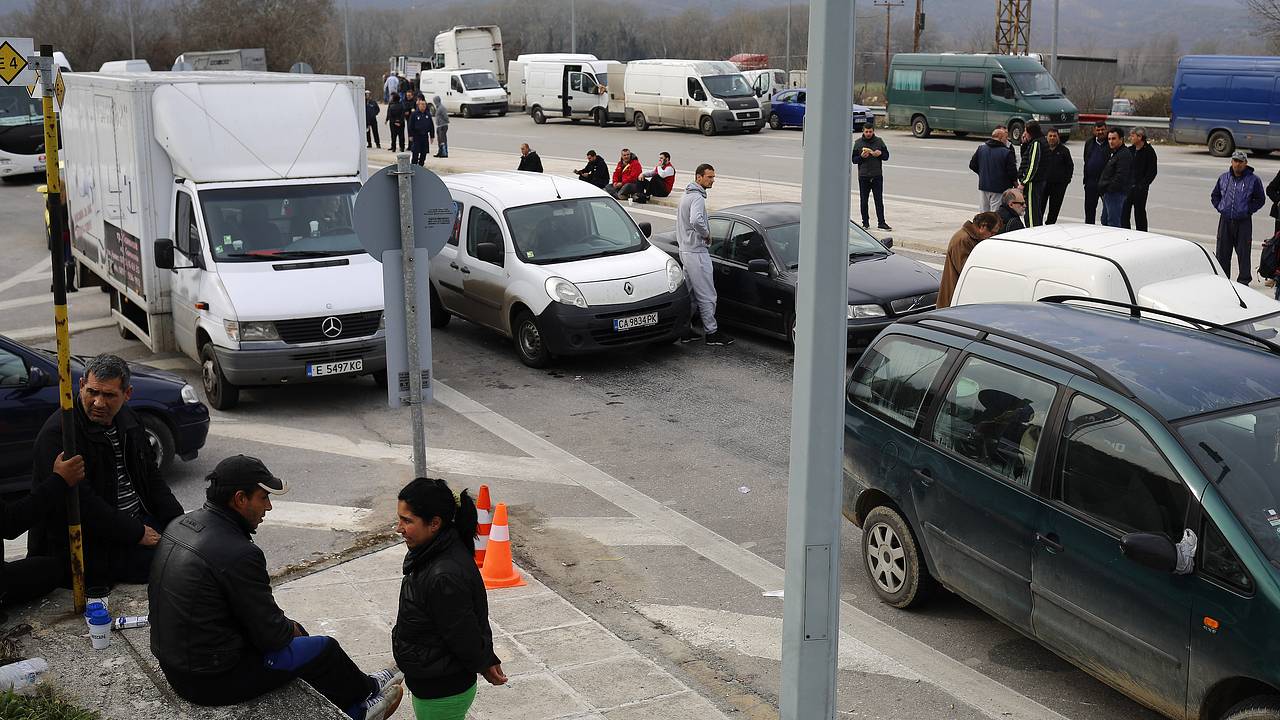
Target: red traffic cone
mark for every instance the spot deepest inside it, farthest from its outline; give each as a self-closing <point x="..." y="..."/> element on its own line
<point x="484" y="512"/>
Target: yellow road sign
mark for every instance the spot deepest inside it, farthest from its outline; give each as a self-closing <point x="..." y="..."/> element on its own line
<point x="59" y="89"/>
<point x="12" y="62"/>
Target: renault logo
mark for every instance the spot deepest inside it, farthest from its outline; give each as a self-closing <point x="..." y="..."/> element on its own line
<point x="626" y="288"/>
<point x="331" y="327"/>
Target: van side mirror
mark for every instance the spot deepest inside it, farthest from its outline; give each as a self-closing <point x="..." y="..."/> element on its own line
<point x="1152" y="550"/>
<point x="759" y="265"/>
<point x="887" y="242"/>
<point x="489" y="252"/>
<point x="646" y="228"/>
<point x="164" y="254"/>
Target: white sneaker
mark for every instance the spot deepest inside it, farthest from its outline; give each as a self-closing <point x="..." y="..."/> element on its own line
<point x="387" y="676"/>
<point x="383" y="705"/>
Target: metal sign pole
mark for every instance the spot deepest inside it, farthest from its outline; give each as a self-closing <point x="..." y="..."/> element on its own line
<point x="811" y="614"/>
<point x="404" y="178"/>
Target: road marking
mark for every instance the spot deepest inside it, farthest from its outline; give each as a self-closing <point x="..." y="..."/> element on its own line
<point x="783" y="157"/>
<point x="654" y="213"/>
<point x="761" y="637"/>
<point x="45" y="299"/>
<point x="439" y="460"/>
<point x="47" y="331"/>
<point x="931" y="169"/>
<point x="612" y="531"/>
<point x="31" y="274"/>
<point x="987" y="695"/>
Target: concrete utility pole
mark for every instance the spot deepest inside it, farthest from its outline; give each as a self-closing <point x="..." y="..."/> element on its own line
<point x="888" y="6"/>
<point x="346" y="31"/>
<point x="1053" y="58"/>
<point x="811" y="615"/>
<point x="1013" y="27"/>
<point x="133" y="52"/>
<point x="915" y="42"/>
<point x="573" y="26"/>
<point x="788" y="60"/>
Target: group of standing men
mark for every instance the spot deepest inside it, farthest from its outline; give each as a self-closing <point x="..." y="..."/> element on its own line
<point x="422" y="121"/>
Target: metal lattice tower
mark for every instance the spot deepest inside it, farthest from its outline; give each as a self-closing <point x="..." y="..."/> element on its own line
<point x="1013" y="27"/>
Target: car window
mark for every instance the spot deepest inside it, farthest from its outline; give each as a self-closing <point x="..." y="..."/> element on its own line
<point x="973" y="83"/>
<point x="695" y="89"/>
<point x="801" y="97"/>
<point x="994" y="416"/>
<point x="720" y="237"/>
<point x="1000" y="87"/>
<point x="457" y="223"/>
<point x="939" y="81"/>
<point x="13" y="369"/>
<point x="1110" y="471"/>
<point x="746" y="244"/>
<point x="1219" y="561"/>
<point x="893" y="377"/>
<point x="482" y="228"/>
<point x="610" y="220"/>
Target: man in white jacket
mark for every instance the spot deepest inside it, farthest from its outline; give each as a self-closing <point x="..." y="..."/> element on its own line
<point x="658" y="182"/>
<point x="693" y="233"/>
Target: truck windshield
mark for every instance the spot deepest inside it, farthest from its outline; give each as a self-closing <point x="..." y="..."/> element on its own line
<point x="479" y="81"/>
<point x="1033" y="84"/>
<point x="727" y="86"/>
<point x="257" y="224"/>
<point x="568" y="230"/>
<point x="1239" y="452"/>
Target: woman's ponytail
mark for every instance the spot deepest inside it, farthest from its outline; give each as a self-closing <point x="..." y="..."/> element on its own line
<point x="466" y="520"/>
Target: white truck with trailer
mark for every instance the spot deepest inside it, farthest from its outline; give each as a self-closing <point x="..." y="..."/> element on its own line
<point x="222" y="227"/>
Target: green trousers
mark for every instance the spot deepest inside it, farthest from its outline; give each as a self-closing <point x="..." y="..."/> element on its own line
<point x="454" y="707"/>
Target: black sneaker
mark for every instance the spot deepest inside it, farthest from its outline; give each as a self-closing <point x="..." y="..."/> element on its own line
<point x="719" y="338"/>
<point x="866" y="225"/>
<point x="690" y="336"/>
<point x="882" y="226"/>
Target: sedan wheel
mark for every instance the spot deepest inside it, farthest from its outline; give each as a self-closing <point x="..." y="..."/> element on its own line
<point x="775" y="122"/>
<point x="892" y="559"/>
<point x="160" y="438"/>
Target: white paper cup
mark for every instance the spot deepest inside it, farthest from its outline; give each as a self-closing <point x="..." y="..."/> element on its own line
<point x="100" y="633"/>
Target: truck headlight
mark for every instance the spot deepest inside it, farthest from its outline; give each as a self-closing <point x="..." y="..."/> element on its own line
<point x="720" y="104"/>
<point x="1040" y="118"/>
<point x="189" y="395"/>
<point x="859" y="312"/>
<point x="233" y="329"/>
<point x="563" y="291"/>
<point x="250" y="331"/>
<point x="675" y="275"/>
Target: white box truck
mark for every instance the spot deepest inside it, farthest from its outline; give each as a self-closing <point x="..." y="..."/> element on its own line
<point x="571" y="89"/>
<point x="472" y="47"/>
<point x="221" y="225"/>
<point x="245" y="59"/>
<point x="711" y="95"/>
<point x="469" y="93"/>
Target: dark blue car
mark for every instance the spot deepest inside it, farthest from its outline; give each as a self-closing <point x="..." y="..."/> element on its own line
<point x="787" y="110"/>
<point x="176" y="422"/>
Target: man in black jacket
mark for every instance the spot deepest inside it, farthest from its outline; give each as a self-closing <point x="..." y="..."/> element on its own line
<point x="1058" y="171"/>
<point x="529" y="160"/>
<point x="1116" y="180"/>
<point x="216" y="629"/>
<point x="371" y="111"/>
<point x="996" y="168"/>
<point x="1144" y="173"/>
<point x="1012" y="208"/>
<point x="33" y="577"/>
<point x="1033" y="175"/>
<point x="596" y="172"/>
<point x="124" y="501"/>
<point x="420" y="128"/>
<point x="1096" y="154"/>
<point x="870" y="154"/>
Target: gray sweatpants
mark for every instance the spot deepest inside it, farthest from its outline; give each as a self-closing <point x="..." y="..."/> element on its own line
<point x="990" y="202"/>
<point x="702" y="284"/>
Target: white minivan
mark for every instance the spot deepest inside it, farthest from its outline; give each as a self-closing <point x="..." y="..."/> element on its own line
<point x="1138" y="268"/>
<point x="556" y="265"/>
<point x="711" y="95"/>
<point x="469" y="93"/>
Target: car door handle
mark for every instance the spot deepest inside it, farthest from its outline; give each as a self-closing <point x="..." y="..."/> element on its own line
<point x="924" y="477"/>
<point x="453" y="265"/>
<point x="1049" y="542"/>
<point x="465" y="270"/>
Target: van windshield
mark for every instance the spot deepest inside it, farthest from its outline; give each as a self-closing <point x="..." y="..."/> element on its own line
<point x="785" y="240"/>
<point x="256" y="224"/>
<point x="479" y="81"/>
<point x="577" y="229"/>
<point x="17" y="108"/>
<point x="1240" y="453"/>
<point x="1033" y="84"/>
<point x="727" y="86"/>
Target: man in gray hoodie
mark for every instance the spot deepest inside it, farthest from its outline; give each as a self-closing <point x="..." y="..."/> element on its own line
<point x="693" y="233"/>
<point x="442" y="128"/>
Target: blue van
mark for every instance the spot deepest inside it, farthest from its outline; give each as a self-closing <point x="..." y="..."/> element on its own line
<point x="1227" y="102"/>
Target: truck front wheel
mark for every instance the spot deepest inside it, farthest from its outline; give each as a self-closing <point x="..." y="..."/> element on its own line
<point x="222" y="395"/>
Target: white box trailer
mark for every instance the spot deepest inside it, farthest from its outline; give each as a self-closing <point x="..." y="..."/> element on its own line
<point x="221" y="226"/>
<point x="472" y="47"/>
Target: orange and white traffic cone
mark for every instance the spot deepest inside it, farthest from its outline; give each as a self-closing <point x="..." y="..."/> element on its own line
<point x="484" y="513"/>
<point x="498" y="571"/>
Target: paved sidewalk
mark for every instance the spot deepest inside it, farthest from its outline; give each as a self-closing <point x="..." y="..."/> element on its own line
<point x="562" y="664"/>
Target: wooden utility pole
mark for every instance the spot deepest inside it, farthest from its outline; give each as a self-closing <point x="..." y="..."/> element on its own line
<point x="888" y="6"/>
<point x="915" y="42"/>
<point x="1013" y="27"/>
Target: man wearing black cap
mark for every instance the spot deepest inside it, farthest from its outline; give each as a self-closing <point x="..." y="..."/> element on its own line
<point x="216" y="629"/>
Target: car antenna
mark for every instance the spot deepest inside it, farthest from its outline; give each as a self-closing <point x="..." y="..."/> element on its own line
<point x="1237" y="292"/>
<point x="555" y="187"/>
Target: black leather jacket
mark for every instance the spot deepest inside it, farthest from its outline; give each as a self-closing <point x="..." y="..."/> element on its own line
<point x="210" y="595"/>
<point x="442" y="636"/>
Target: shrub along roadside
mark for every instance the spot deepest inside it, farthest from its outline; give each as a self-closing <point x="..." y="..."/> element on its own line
<point x="44" y="704"/>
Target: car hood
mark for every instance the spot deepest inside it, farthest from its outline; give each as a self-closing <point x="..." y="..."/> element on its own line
<point x="138" y="371"/>
<point x="1214" y="299"/>
<point x="879" y="280"/>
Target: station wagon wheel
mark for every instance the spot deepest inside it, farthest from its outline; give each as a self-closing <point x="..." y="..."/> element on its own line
<point x="775" y="122"/>
<point x="1266" y="707"/>
<point x="528" y="338"/>
<point x="1221" y="143"/>
<point x="892" y="559"/>
<point x="920" y="127"/>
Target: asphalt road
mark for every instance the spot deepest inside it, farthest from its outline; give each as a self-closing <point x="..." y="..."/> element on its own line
<point x="702" y="431"/>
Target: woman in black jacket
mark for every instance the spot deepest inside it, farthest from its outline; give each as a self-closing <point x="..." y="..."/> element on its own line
<point x="442" y="637"/>
<point x="395" y="121"/>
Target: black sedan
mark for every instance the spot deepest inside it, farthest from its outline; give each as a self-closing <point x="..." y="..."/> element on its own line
<point x="176" y="422"/>
<point x="756" y="249"/>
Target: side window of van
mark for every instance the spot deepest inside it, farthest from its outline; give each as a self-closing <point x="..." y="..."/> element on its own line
<point x="182" y="222"/>
<point x="973" y="83"/>
<point x="695" y="90"/>
<point x="940" y="81"/>
<point x="994" y="416"/>
<point x="1219" y="561"/>
<point x="910" y="80"/>
<point x="1001" y="88"/>
<point x="1113" y="473"/>
<point x="455" y="84"/>
<point x="482" y="228"/>
<point x="893" y="377"/>
<point x="457" y="223"/>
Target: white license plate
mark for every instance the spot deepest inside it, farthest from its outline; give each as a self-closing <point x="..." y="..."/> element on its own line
<point x="335" y="368"/>
<point x="635" y="321"/>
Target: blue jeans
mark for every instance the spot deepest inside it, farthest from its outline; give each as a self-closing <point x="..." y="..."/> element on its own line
<point x="1113" y="208"/>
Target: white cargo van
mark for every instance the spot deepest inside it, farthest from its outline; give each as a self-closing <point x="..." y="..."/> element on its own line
<point x="1146" y="269"/>
<point x="572" y="89"/>
<point x="766" y="82"/>
<point x="218" y="238"/>
<point x="711" y="95"/>
<point x="469" y="93"/>
<point x="516" y="69"/>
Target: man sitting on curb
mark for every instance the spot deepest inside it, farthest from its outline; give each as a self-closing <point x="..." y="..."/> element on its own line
<point x="216" y="629"/>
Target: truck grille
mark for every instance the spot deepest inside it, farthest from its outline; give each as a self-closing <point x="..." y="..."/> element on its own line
<point x="914" y="303"/>
<point x="309" y="330"/>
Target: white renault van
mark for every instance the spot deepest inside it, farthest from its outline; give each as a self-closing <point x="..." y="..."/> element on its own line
<point x="711" y="95"/>
<point x="469" y="93"/>
<point x="1145" y="269"/>
<point x="556" y="265"/>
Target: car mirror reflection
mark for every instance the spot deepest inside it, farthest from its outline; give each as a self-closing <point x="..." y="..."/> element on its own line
<point x="1152" y="550"/>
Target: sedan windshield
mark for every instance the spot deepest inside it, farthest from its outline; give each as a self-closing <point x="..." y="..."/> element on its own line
<point x="1241" y="454"/>
<point x="479" y="81"/>
<point x="785" y="240"/>
<point x="1035" y="83"/>
<point x="254" y="224"/>
<point x="728" y="86"/>
<point x="577" y="229"/>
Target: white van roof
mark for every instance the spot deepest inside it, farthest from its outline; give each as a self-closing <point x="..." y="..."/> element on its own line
<point x="554" y="57"/>
<point x="510" y="188"/>
<point x="1146" y="258"/>
<point x="459" y="71"/>
<point x="701" y="67"/>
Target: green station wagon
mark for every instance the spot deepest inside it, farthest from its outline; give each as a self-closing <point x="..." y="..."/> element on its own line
<point x="975" y="93"/>
<point x="1053" y="464"/>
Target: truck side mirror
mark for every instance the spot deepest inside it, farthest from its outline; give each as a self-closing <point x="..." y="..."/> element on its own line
<point x="164" y="254"/>
<point x="1152" y="550"/>
<point x="646" y="228"/>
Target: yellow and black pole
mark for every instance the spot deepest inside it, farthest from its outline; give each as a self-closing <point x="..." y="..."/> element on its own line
<point x="53" y="204"/>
